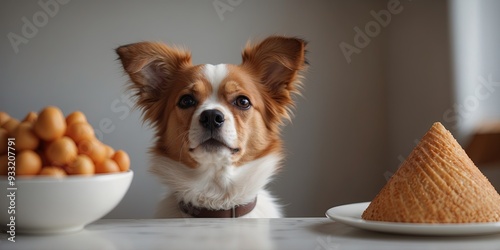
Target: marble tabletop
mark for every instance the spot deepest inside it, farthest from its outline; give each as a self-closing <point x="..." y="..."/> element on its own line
<point x="286" y="233"/>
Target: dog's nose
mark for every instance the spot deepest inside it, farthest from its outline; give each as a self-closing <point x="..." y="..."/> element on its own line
<point x="211" y="119"/>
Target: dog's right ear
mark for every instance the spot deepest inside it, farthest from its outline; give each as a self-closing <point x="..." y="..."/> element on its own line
<point x="151" y="67"/>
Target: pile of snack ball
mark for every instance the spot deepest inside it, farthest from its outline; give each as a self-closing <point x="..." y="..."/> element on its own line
<point x="50" y="144"/>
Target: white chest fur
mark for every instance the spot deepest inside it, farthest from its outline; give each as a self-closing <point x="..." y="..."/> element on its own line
<point x="217" y="186"/>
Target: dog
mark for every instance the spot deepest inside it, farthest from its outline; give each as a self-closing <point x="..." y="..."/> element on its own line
<point x="217" y="127"/>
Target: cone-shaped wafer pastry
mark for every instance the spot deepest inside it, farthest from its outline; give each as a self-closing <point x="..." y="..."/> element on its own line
<point x="437" y="183"/>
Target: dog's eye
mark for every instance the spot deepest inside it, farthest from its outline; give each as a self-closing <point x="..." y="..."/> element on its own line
<point x="186" y="101"/>
<point x="242" y="102"/>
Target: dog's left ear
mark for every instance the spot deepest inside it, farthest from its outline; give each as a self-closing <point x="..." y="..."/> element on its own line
<point x="278" y="62"/>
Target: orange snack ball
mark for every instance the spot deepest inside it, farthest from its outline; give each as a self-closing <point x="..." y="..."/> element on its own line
<point x="3" y="164"/>
<point x="4" y="117"/>
<point x="50" y="124"/>
<point x="74" y="117"/>
<point x="109" y="151"/>
<point x="25" y="137"/>
<point x="94" y="149"/>
<point x="122" y="159"/>
<point x="31" y="117"/>
<point x="61" y="151"/>
<point x="28" y="163"/>
<point x="79" y="131"/>
<point x="107" y="166"/>
<point x="82" y="165"/>
<point x="4" y="135"/>
<point x="53" y="171"/>
<point x="11" y="125"/>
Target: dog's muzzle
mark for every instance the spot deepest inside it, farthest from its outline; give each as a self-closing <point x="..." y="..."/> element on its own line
<point x="212" y="121"/>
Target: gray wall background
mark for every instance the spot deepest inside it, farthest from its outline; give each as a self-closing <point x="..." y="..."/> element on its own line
<point x="354" y="123"/>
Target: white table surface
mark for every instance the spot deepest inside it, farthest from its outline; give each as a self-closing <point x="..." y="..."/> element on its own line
<point x="287" y="233"/>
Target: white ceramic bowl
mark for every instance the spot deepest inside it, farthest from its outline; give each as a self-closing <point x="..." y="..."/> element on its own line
<point x="45" y="205"/>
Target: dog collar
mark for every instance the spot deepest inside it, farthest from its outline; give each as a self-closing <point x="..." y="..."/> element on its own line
<point x="201" y="212"/>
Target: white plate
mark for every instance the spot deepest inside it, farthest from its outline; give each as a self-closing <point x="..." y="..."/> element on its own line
<point x="351" y="215"/>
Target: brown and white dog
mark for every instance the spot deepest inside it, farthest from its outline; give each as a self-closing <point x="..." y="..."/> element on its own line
<point x="217" y="126"/>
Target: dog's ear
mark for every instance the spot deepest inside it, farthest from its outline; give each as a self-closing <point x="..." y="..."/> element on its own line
<point x="151" y="67"/>
<point x="278" y="62"/>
